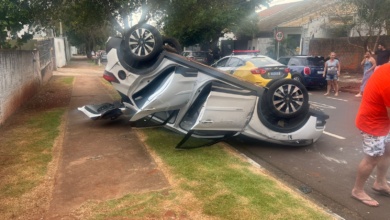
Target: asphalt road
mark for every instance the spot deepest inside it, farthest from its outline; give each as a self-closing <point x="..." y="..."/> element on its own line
<point x="326" y="170"/>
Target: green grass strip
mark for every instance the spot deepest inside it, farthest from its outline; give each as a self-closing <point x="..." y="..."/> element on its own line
<point x="223" y="185"/>
<point x="27" y="160"/>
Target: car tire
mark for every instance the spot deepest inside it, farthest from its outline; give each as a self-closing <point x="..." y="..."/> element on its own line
<point x="298" y="78"/>
<point x="142" y="42"/>
<point x="270" y="83"/>
<point x="286" y="98"/>
<point x="172" y="45"/>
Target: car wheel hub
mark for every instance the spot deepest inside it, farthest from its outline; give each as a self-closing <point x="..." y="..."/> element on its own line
<point x="141" y="42"/>
<point x="288" y="98"/>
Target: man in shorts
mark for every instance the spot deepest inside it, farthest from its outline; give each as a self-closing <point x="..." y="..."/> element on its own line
<point x="373" y="119"/>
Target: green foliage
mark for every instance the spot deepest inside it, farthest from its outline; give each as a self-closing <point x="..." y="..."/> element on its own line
<point x="85" y="24"/>
<point x="89" y="23"/>
<point x="199" y="21"/>
<point x="373" y="13"/>
<point x="14" y="15"/>
<point x="372" y="18"/>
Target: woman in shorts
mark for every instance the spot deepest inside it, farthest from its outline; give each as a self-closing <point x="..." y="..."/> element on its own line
<point x="332" y="73"/>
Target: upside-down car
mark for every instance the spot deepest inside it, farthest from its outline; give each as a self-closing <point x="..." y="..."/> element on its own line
<point x="201" y="101"/>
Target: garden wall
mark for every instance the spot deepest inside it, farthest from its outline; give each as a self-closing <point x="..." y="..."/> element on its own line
<point x="20" y="79"/>
<point x="347" y="52"/>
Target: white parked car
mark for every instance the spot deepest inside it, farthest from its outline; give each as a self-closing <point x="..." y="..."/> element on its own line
<point x="198" y="100"/>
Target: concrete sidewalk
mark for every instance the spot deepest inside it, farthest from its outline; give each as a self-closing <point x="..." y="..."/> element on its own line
<point x="100" y="160"/>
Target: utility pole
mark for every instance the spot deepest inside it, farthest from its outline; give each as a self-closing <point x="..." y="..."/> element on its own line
<point x="60" y="28"/>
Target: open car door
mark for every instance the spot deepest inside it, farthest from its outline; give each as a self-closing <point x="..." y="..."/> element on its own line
<point x="225" y="112"/>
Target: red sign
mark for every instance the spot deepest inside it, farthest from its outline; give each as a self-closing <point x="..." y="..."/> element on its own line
<point x="279" y="36"/>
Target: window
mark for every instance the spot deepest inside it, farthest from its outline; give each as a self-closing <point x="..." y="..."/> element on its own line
<point x="263" y="61"/>
<point x="284" y="60"/>
<point x="316" y="61"/>
<point x="222" y="62"/>
<point x="294" y="62"/>
<point x="234" y="62"/>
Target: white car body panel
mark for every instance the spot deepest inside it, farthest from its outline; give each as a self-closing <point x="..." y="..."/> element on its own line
<point x="201" y="101"/>
<point x="225" y="112"/>
<point x="173" y="94"/>
<point x="308" y="132"/>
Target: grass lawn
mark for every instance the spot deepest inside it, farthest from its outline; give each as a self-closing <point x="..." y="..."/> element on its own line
<point x="206" y="183"/>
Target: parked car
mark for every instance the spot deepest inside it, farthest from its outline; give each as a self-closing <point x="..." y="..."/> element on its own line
<point x="199" y="56"/>
<point x="198" y="100"/>
<point x="308" y="70"/>
<point x="284" y="60"/>
<point x="246" y="52"/>
<point x="103" y="56"/>
<point x="254" y="68"/>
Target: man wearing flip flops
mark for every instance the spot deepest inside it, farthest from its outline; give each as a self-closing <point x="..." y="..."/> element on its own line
<point x="373" y="119"/>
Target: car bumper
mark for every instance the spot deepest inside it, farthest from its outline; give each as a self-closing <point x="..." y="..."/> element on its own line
<point x="315" y="81"/>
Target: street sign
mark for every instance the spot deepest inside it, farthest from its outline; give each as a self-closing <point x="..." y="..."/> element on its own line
<point x="279" y="36"/>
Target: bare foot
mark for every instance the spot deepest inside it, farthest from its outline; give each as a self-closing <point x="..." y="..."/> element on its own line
<point x="358" y="95"/>
<point x="367" y="201"/>
<point x="364" y="198"/>
<point x="383" y="190"/>
<point x="336" y="94"/>
<point x="326" y="93"/>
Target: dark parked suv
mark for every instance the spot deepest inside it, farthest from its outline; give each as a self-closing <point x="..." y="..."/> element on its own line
<point x="307" y="69"/>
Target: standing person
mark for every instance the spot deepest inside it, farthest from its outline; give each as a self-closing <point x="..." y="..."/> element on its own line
<point x="332" y="72"/>
<point x="382" y="55"/>
<point x="369" y="65"/>
<point x="373" y="119"/>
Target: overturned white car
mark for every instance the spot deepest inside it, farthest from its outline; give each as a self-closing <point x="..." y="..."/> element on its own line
<point x="198" y="100"/>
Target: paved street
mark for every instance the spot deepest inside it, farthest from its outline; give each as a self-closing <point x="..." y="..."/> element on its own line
<point x="325" y="170"/>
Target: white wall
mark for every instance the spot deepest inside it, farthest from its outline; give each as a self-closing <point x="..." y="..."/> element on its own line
<point x="261" y="44"/>
<point x="73" y="50"/>
<point x="59" y="48"/>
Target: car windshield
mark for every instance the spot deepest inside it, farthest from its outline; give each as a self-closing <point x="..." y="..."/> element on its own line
<point x="263" y="61"/>
<point x="316" y="61"/>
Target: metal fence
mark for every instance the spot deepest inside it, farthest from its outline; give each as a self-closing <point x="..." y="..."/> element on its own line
<point x="45" y="48"/>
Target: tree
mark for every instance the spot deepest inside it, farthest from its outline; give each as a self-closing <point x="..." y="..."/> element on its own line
<point x="85" y="24"/>
<point x="197" y="21"/>
<point x="372" y="19"/>
<point x="19" y="19"/>
<point x="14" y="15"/>
<point x="88" y="23"/>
